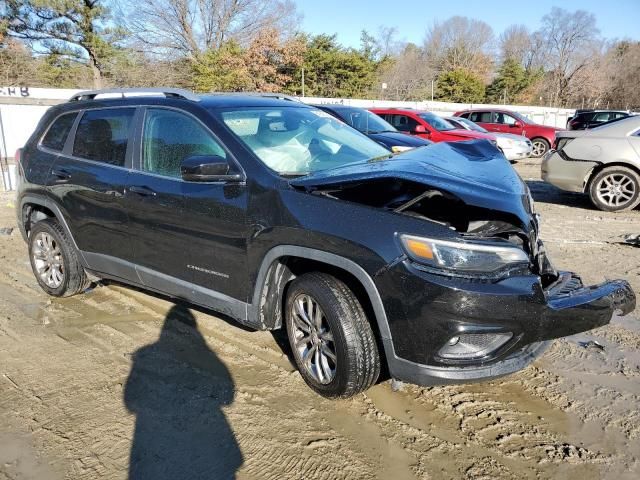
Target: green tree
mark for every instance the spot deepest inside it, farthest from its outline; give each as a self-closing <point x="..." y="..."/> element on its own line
<point x="73" y="29"/>
<point x="511" y="80"/>
<point x="460" y="86"/>
<point x="334" y="71"/>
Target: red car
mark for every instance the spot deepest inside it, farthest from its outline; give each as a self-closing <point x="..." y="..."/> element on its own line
<point x="506" y="121"/>
<point x="428" y="125"/>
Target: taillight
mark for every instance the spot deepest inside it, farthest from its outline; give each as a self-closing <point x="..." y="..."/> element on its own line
<point x="17" y="156"/>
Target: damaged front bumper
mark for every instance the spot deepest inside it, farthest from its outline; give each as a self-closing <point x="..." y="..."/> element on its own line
<point x="437" y="314"/>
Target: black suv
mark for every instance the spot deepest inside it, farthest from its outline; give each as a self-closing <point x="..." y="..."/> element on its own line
<point x="593" y="118"/>
<point x="427" y="263"/>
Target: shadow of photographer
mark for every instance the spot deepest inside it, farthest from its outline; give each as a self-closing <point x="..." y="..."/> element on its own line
<point x="177" y="388"/>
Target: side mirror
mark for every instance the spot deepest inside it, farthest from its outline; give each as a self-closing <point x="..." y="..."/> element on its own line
<point x="206" y="168"/>
<point x="518" y="124"/>
<point x="420" y="129"/>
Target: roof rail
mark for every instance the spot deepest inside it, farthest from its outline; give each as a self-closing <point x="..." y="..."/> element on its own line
<point x="167" y="92"/>
<point x="279" y="96"/>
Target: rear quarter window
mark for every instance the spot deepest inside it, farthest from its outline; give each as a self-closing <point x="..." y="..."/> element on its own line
<point x="58" y="132"/>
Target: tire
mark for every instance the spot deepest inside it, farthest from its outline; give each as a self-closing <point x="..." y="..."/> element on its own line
<point x="54" y="260"/>
<point x="615" y="189"/>
<point x="344" y="330"/>
<point x="540" y="147"/>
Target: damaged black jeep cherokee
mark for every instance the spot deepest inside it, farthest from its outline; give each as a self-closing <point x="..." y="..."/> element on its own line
<point x="272" y="212"/>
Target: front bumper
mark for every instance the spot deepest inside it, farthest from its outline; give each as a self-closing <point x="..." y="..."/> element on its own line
<point x="427" y="310"/>
<point x="517" y="152"/>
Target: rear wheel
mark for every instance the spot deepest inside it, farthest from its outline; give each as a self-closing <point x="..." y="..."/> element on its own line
<point x="333" y="345"/>
<point x="540" y="147"/>
<point x="615" y="189"/>
<point x="54" y="260"/>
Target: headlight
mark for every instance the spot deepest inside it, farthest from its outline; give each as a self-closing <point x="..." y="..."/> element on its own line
<point x="399" y="148"/>
<point x="463" y="257"/>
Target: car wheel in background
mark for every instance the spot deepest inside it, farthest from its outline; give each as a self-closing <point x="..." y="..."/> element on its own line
<point x="540" y="147"/>
<point x="615" y="189"/>
<point x="54" y="260"/>
<point x="332" y="341"/>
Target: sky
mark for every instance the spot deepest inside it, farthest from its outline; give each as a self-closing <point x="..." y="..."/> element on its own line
<point x="346" y="18"/>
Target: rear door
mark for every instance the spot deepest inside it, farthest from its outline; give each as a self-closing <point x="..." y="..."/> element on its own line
<point x="485" y="119"/>
<point x="88" y="180"/>
<point x="185" y="231"/>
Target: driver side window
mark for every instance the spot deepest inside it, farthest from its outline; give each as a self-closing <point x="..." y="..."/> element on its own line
<point x="169" y="137"/>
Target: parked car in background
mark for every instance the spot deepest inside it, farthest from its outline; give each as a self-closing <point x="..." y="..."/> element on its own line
<point x="593" y="118"/>
<point x="428" y="125"/>
<point x="603" y="162"/>
<point x="514" y="147"/>
<point x="506" y="121"/>
<point x="375" y="127"/>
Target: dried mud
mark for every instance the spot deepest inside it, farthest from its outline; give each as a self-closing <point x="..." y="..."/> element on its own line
<point x="117" y="383"/>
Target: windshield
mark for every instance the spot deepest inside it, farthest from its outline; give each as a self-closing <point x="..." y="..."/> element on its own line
<point x="300" y="140"/>
<point x="364" y="120"/>
<point x="472" y="125"/>
<point x="437" y="122"/>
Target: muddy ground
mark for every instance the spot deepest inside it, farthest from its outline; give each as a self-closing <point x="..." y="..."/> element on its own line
<point x="90" y="382"/>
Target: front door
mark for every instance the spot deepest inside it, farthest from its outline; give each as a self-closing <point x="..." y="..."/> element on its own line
<point x="189" y="232"/>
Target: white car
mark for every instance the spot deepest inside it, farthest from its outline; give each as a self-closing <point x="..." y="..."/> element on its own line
<point x="514" y="147"/>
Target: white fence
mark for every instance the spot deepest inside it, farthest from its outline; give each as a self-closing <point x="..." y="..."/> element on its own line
<point x="22" y="107"/>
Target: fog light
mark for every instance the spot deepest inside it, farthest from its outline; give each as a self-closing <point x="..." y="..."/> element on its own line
<point x="469" y="346"/>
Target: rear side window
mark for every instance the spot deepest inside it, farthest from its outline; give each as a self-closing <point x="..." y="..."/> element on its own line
<point x="102" y="135"/>
<point x="58" y="132"/>
<point x="481" y="117"/>
<point x="169" y="137"/>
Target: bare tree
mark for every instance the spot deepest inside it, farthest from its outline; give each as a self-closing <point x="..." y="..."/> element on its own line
<point x="408" y="75"/>
<point x="187" y="28"/>
<point x="572" y="43"/>
<point x="519" y="44"/>
<point x="460" y="43"/>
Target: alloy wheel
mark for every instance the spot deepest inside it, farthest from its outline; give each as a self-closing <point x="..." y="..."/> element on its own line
<point x="47" y="259"/>
<point x="313" y="340"/>
<point x="616" y="190"/>
<point x="539" y="148"/>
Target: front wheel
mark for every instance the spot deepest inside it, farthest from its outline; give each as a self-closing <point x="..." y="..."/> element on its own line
<point x="332" y="341"/>
<point x="615" y="189"/>
<point x="540" y="147"/>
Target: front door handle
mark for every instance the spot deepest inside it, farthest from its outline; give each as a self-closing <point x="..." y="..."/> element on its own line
<point x="143" y="191"/>
<point x="61" y="174"/>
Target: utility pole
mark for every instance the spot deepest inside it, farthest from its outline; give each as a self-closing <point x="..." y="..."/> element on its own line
<point x="302" y="82"/>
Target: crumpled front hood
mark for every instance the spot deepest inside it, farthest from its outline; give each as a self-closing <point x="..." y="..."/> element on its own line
<point x="474" y="171"/>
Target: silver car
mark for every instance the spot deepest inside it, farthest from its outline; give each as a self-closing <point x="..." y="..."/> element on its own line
<point x="603" y="162"/>
<point x="514" y="147"/>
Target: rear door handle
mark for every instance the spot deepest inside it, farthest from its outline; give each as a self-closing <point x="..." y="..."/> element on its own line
<point x="143" y="191"/>
<point x="61" y="174"/>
